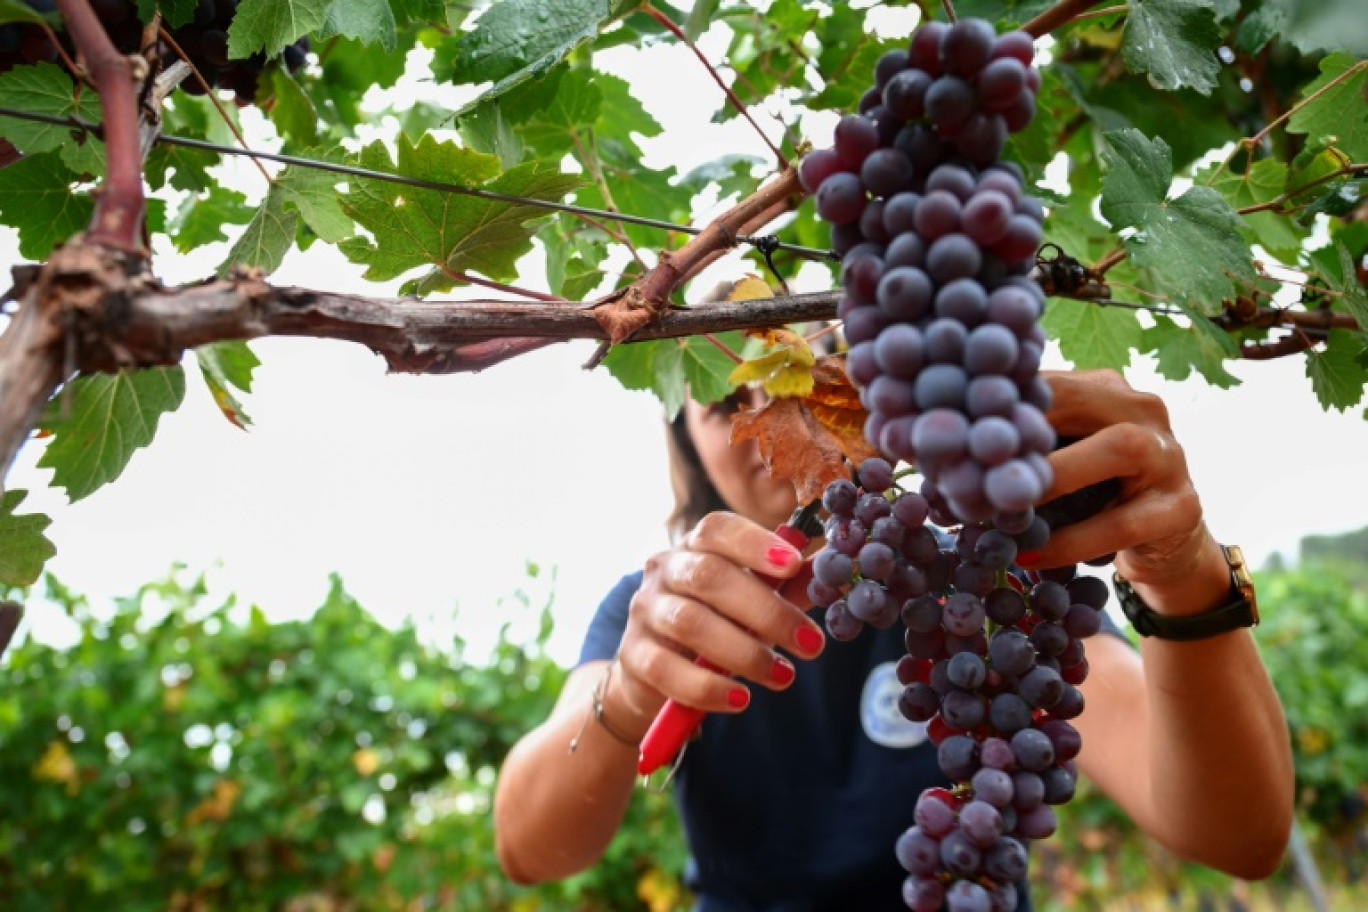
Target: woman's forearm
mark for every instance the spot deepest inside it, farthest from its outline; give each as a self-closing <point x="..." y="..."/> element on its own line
<point x="556" y="811"/>
<point x="1194" y="745"/>
<point x="1221" y="762"/>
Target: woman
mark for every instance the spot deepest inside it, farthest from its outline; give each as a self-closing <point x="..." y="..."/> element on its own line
<point x="800" y="783"/>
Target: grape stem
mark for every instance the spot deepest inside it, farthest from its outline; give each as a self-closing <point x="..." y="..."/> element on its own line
<point x="627" y="311"/>
<point x="1060" y="14"/>
<point x="209" y="93"/>
<point x="119" y="206"/>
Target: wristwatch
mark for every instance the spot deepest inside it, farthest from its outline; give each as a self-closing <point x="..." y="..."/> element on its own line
<point x="1241" y="610"/>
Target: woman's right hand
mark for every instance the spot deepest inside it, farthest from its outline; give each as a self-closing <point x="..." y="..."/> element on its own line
<point x="706" y="597"/>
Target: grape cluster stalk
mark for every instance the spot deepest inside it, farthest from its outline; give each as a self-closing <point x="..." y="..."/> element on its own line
<point x="938" y="237"/>
<point x="204" y="41"/>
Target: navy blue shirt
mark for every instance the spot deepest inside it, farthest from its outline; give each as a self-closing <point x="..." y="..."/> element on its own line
<point x="795" y="804"/>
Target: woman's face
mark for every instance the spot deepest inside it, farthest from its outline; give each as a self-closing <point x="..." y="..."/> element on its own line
<point x="737" y="471"/>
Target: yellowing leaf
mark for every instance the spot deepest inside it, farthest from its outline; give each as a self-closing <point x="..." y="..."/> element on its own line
<point x="757" y="369"/>
<point x="808" y="440"/>
<point x="785" y="372"/>
<point x="790" y="381"/>
<point x="836" y="405"/>
<point x="1312" y="741"/>
<point x="750" y="288"/>
<point x="660" y="891"/>
<point x="57" y="765"/>
<point x="217" y="806"/>
<point x="366" y="761"/>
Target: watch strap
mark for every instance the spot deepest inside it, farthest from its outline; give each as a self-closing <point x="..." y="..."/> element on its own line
<point x="1239" y="611"/>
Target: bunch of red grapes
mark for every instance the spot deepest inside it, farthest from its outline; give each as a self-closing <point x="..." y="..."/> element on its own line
<point x="938" y="238"/>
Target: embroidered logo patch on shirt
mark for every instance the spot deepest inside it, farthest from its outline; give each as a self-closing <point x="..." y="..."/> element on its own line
<point x="883" y="722"/>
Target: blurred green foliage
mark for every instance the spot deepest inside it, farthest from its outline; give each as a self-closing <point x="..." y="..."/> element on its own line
<point x="184" y="755"/>
<point x="189" y="756"/>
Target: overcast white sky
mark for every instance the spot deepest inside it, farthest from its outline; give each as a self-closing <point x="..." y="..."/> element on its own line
<point x="429" y="494"/>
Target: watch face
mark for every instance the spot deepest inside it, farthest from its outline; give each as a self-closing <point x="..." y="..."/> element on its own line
<point x="1241" y="580"/>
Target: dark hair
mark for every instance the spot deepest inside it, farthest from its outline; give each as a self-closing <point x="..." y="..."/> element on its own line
<point x="694" y="493"/>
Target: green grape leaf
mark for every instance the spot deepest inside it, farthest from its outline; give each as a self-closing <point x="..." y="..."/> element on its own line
<point x="847" y="58"/>
<point x="1337" y="377"/>
<point x="1353" y="296"/>
<point x="270" y="26"/>
<point x="269" y="236"/>
<point x="419" y="11"/>
<point x="1265" y="181"/>
<point x="1192" y="124"/>
<point x="1337" y="115"/>
<point x="18" y="11"/>
<point x="567" y="116"/>
<point x="350" y="69"/>
<point x="45" y="88"/>
<point x="653" y="365"/>
<point x="290" y="108"/>
<point x="1174" y="42"/>
<point x="366" y="21"/>
<point x="487" y="129"/>
<point x="37" y="199"/>
<point x="518" y="40"/>
<point x="226" y="365"/>
<point x="1002" y="12"/>
<point x="621" y="115"/>
<point x="580" y="280"/>
<point x="853" y="74"/>
<point x="673" y="369"/>
<point x="1201" y="345"/>
<point x="1192" y="242"/>
<point x="1323" y="25"/>
<point x="23" y="547"/>
<point x="201" y="217"/>
<point x="1326" y="25"/>
<point x="573" y="261"/>
<point x="1091" y="335"/>
<point x="184" y="168"/>
<point x="700" y="18"/>
<point x="175" y="12"/>
<point x="314" y="193"/>
<point x="455" y="233"/>
<point x="730" y="174"/>
<point x="707" y="368"/>
<point x="98" y="422"/>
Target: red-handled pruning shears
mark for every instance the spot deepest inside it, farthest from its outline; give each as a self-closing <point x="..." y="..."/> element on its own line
<point x="676" y="722"/>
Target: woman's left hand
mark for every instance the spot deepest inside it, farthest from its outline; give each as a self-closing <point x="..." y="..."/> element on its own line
<point x="1155" y="526"/>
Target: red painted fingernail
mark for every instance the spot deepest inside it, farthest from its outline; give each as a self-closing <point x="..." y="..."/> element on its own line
<point x="808" y="639"/>
<point x="782" y="555"/>
<point x="738" y="697"/>
<point x="1026" y="558"/>
<point x="782" y="673"/>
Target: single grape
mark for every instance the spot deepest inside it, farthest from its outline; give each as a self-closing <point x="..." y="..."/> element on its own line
<point x="841" y="625"/>
<point x="938" y="214"/>
<point x="1011" y="652"/>
<point x="953" y="256"/>
<point x="918" y="702"/>
<point x="966" y="46"/>
<point x="949" y="101"/>
<point x="1009" y="713"/>
<point x="905" y="94"/>
<point x="856" y="137"/>
<point x="841" y="198"/>
<point x="886" y="172"/>
<point x="917" y="852"/>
